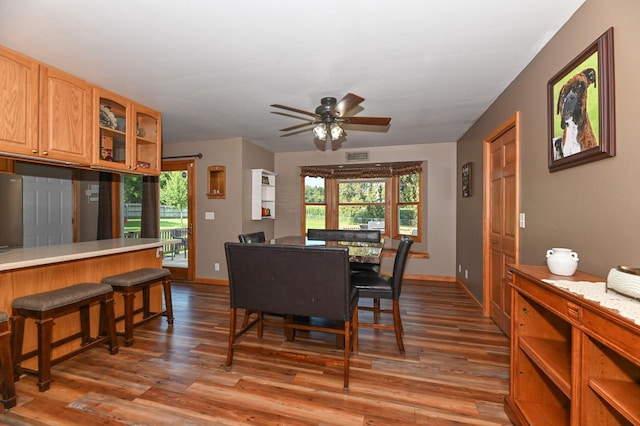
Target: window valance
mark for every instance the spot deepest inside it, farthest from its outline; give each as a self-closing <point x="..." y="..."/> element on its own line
<point x="362" y="171"/>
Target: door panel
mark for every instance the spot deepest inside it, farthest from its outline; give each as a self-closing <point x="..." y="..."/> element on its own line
<point x="501" y="217"/>
<point x="181" y="258"/>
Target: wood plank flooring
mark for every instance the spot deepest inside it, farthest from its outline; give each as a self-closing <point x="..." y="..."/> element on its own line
<point x="455" y="371"/>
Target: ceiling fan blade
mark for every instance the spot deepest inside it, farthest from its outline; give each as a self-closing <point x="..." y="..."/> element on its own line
<point x="296" y="132"/>
<point x="298" y="126"/>
<point x="346" y="104"/>
<point x="289" y="115"/>
<point x="373" y="121"/>
<point x="299" y="111"/>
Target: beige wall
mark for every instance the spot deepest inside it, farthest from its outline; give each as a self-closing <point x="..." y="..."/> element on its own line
<point x="439" y="190"/>
<point x="593" y="208"/>
<point x="233" y="213"/>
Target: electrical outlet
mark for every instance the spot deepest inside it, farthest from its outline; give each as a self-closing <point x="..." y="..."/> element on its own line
<point x="522" y="222"/>
<point x="466" y="274"/>
<point x="216" y="266"/>
<point x="459" y="268"/>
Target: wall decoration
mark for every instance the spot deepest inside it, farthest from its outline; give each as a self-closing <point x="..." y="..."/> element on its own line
<point x="581" y="108"/>
<point x="466" y="180"/>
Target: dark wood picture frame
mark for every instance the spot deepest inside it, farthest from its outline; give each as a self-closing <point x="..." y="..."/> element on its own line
<point x="581" y="118"/>
<point x="466" y="180"/>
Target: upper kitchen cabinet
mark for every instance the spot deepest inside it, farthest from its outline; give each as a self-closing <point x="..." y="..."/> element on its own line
<point x="147" y="136"/>
<point x="112" y="114"/>
<point x="65" y="117"/>
<point x="18" y="103"/>
<point x="128" y="135"/>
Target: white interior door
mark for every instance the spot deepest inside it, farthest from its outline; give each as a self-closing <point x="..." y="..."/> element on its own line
<point x="47" y="204"/>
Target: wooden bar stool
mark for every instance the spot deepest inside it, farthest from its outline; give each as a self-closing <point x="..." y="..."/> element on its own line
<point x="128" y="284"/>
<point x="47" y="306"/>
<point x="6" y="363"/>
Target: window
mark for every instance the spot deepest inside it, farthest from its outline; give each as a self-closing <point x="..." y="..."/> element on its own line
<point x="387" y="198"/>
<point x="362" y="204"/>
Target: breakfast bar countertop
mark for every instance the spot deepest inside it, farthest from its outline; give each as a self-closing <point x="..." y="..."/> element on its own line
<point x="36" y="256"/>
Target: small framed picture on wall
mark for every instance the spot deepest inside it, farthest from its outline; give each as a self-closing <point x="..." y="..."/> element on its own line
<point x="466" y="180"/>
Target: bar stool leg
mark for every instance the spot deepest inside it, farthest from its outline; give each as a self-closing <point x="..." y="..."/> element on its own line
<point x="85" y="325"/>
<point x="128" y="317"/>
<point x="45" y="333"/>
<point x="8" y="386"/>
<point x="107" y="311"/>
<point x="17" y="337"/>
<point x="166" y="286"/>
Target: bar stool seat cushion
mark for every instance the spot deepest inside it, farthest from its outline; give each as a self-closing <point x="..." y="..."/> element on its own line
<point x="136" y="277"/>
<point x="61" y="297"/>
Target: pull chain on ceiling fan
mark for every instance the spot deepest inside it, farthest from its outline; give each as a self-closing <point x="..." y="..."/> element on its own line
<point x="329" y="117"/>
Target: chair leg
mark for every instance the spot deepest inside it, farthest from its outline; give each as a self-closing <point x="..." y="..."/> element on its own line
<point x="397" y="324"/>
<point x="45" y="333"/>
<point x="166" y="287"/>
<point x="376" y="310"/>
<point x="6" y="363"/>
<point x="232" y="336"/>
<point x="347" y="353"/>
<point x="354" y="325"/>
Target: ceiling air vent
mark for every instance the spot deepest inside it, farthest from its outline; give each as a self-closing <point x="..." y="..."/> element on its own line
<point x="357" y="156"/>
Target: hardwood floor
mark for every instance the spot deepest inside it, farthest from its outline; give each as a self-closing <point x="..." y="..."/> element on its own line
<point x="455" y="371"/>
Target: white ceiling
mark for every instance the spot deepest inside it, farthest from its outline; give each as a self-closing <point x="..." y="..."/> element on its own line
<point x="214" y="67"/>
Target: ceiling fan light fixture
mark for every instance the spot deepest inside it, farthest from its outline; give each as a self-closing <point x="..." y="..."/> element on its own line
<point x="336" y="131"/>
<point x="320" y="131"/>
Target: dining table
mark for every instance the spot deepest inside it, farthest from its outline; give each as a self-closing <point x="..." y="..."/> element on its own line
<point x="359" y="251"/>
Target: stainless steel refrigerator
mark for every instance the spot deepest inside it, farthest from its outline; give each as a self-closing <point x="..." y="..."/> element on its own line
<point x="11" y="211"/>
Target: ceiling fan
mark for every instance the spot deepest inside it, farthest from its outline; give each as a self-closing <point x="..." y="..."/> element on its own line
<point x="329" y="117"/>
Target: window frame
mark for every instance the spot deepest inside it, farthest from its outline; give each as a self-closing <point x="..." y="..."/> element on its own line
<point x="392" y="204"/>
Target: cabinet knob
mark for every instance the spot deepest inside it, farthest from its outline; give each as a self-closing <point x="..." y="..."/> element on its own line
<point x="35" y="151"/>
<point x="45" y="152"/>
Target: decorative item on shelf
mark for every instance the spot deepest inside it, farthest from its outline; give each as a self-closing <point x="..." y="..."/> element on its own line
<point x="121" y="124"/>
<point x="107" y="118"/>
<point x="140" y="132"/>
<point x="266" y="212"/>
<point x="143" y="164"/>
<point x="562" y="261"/>
<point x="265" y="180"/>
<point x="624" y="280"/>
<point x="106" y="154"/>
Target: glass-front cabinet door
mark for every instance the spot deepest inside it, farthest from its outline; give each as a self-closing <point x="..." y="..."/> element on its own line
<point x="147" y="135"/>
<point x="113" y="112"/>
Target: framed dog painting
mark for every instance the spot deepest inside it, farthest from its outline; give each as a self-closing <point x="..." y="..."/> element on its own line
<point x="581" y="108"/>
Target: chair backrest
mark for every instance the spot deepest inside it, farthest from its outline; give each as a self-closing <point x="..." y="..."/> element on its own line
<point x="291" y="280"/>
<point x="398" y="265"/>
<point x="361" y="235"/>
<point x="255" y="237"/>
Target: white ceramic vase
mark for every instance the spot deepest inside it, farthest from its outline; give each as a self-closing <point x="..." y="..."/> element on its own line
<point x="562" y="261"/>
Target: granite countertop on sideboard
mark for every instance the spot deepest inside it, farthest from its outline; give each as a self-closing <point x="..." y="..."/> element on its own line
<point x="36" y="256"/>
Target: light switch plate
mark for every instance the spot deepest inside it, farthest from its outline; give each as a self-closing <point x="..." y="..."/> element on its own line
<point x="209" y="215"/>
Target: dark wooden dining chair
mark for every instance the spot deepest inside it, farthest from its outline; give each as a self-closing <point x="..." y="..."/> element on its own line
<point x="254" y="237"/>
<point x="380" y="287"/>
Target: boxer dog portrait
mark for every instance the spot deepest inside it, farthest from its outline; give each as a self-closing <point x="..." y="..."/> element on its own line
<point x="577" y="132"/>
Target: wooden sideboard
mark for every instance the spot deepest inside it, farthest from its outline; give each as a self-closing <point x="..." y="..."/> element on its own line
<point x="573" y="362"/>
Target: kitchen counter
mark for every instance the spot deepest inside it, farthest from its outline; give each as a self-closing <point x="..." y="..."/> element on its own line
<point x="37" y="256"/>
<point x="33" y="270"/>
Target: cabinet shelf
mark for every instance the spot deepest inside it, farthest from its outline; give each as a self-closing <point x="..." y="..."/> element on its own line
<point x="544" y="414"/>
<point x="552" y="357"/>
<point x="622" y="396"/>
